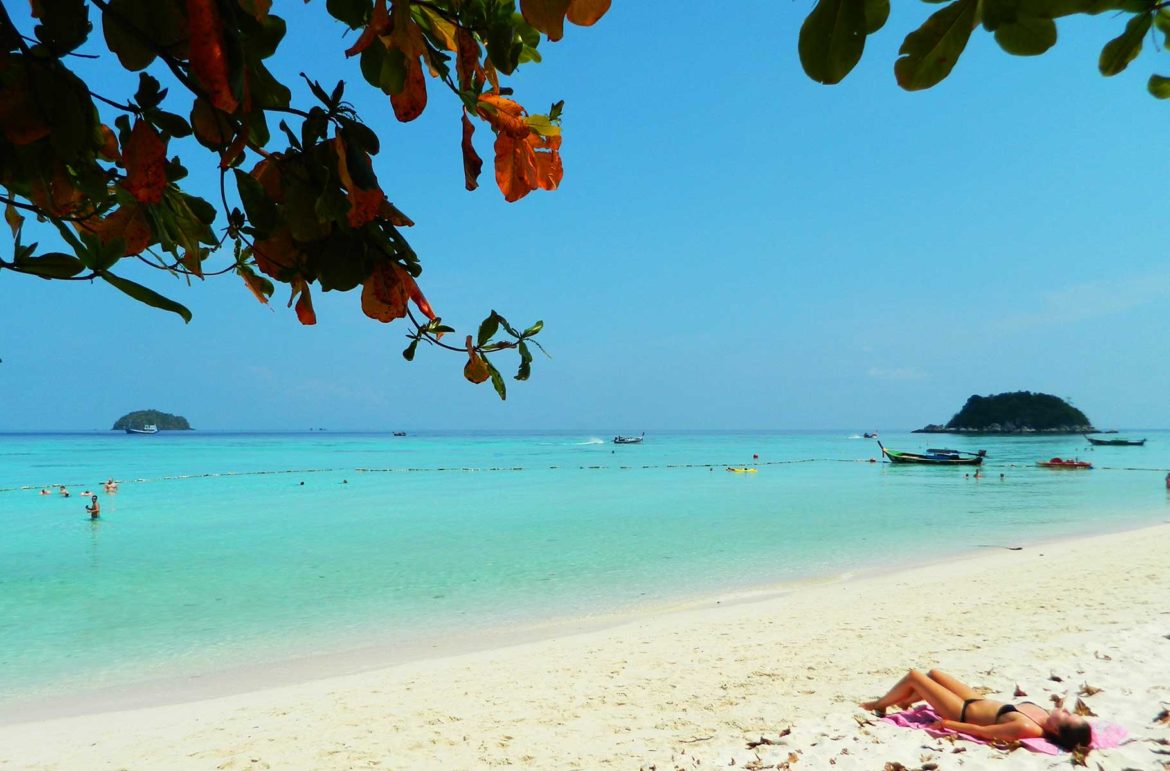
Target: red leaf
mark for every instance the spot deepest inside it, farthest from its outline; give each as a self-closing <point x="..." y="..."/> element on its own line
<point x="127" y="222"/>
<point x="305" y="312"/>
<point x="384" y="293"/>
<point x="472" y="163"/>
<point x="209" y="62"/>
<point x="466" y="59"/>
<point x="378" y="25"/>
<point x="409" y="104"/>
<point x="417" y="296"/>
<point x="145" y="158"/>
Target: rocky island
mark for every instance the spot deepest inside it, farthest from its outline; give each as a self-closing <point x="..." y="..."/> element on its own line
<point x="1019" y="412"/>
<point x="164" y="421"/>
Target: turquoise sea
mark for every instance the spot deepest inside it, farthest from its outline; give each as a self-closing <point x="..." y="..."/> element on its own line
<point x="231" y="554"/>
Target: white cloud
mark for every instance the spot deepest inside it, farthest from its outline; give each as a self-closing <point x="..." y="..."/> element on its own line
<point x="1091" y="300"/>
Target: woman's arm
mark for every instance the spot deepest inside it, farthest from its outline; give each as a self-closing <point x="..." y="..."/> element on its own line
<point x="1003" y="732"/>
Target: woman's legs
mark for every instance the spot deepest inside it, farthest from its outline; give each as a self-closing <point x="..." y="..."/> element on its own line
<point x="955" y="686"/>
<point x="915" y="686"/>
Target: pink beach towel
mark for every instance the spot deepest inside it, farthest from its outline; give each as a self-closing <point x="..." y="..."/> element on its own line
<point x="1105" y="735"/>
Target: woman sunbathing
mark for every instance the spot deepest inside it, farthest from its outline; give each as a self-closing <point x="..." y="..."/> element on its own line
<point x="963" y="709"/>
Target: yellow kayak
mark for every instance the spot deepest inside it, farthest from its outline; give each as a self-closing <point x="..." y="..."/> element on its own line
<point x="742" y="470"/>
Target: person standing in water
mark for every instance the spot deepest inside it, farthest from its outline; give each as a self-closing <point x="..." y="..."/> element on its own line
<point x="94" y="508"/>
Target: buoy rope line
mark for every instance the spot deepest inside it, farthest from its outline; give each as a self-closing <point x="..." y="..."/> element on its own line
<point x="472" y="469"/>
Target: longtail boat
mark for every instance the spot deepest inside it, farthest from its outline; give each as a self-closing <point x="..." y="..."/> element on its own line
<point x="936" y="457"/>
<point x="1116" y="442"/>
<point x="1064" y="463"/>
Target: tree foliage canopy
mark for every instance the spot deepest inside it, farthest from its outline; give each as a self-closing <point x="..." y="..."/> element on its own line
<point x="299" y="202"/>
<point x="1019" y="410"/>
<point x="833" y="36"/>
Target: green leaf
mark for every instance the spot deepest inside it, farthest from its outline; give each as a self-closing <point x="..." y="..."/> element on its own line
<point x="121" y="38"/>
<point x="148" y="296"/>
<point x="929" y="53"/>
<point x="259" y="207"/>
<point x="172" y="124"/>
<point x="497" y="380"/>
<point x="525" y="362"/>
<point x="832" y="39"/>
<point x="1027" y="36"/>
<point x="64" y="25"/>
<point x="100" y="256"/>
<point x="51" y="265"/>
<point x="532" y="330"/>
<point x="876" y="14"/>
<point x="149" y="94"/>
<point x="1123" y="49"/>
<point x="1159" y="86"/>
<point x="352" y="12"/>
<point x="488" y="328"/>
<point x="408" y="354"/>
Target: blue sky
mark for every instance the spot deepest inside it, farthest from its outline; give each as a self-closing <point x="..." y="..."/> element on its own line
<point x="733" y="246"/>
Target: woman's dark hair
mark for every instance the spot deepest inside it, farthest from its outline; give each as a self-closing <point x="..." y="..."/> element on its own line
<point x="1072" y="735"/>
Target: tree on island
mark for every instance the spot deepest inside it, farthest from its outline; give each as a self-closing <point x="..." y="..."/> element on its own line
<point x="1016" y="412"/>
<point x="164" y="421"/>
<point x="300" y="204"/>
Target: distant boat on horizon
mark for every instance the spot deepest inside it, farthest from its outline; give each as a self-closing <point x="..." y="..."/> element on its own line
<point x="619" y="439"/>
<point x="1116" y="442"/>
<point x="149" y="428"/>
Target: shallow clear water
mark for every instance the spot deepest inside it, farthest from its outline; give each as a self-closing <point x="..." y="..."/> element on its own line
<point x="213" y="554"/>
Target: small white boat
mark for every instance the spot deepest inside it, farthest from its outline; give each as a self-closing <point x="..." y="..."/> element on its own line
<point x="629" y="439"/>
<point x="149" y="428"/>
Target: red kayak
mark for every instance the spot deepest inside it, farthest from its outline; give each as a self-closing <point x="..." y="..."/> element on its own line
<point x="1062" y="463"/>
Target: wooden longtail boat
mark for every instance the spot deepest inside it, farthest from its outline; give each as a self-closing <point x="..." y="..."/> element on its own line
<point x="936" y="457"/>
<point x="1064" y="463"/>
<point x="1116" y="442"/>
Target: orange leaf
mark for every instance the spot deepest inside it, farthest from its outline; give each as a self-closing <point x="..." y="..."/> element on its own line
<point x="277" y="255"/>
<point x="209" y="62"/>
<point x="128" y="223"/>
<point x="257" y="286"/>
<point x="267" y="173"/>
<point x="548" y="16"/>
<point x="547" y="151"/>
<point x="305" y="312"/>
<point x="391" y="214"/>
<point x="409" y="104"/>
<point x="384" y="293"/>
<point x="515" y="167"/>
<point x="503" y="114"/>
<point x="405" y="33"/>
<point x="476" y="369"/>
<point x="417" y="296"/>
<point x="364" y="204"/>
<point x="472" y="163"/>
<point x="109" y="148"/>
<point x="145" y="158"/>
<point x="14" y="219"/>
<point x="54" y="191"/>
<point x="466" y="58"/>
<point x="587" y="12"/>
<point x="378" y="24"/>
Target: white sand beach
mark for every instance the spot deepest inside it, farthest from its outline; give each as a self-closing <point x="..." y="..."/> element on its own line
<point x="693" y="688"/>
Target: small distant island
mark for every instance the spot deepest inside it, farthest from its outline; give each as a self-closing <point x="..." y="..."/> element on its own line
<point x="1019" y="412"/>
<point x="164" y="421"/>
